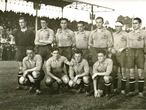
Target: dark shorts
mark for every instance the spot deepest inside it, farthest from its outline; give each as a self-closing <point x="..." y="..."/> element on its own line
<point x="66" y="51"/>
<point x="94" y="51"/>
<point x="44" y="51"/>
<point x="58" y="73"/>
<point x="100" y="82"/>
<point x="21" y="52"/>
<point x="114" y="73"/>
<point x="135" y="57"/>
<point x="120" y="59"/>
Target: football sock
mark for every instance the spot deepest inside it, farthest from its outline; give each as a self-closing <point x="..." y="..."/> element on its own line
<point x="115" y="83"/>
<point x="107" y="88"/>
<point x="131" y="85"/>
<point x="141" y="85"/>
<point x="123" y="84"/>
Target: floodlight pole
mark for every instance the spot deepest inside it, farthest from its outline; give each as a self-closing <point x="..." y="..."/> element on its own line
<point x="36" y="21"/>
<point x="36" y="7"/>
<point x="6" y="5"/>
<point x="62" y="11"/>
<point x="92" y="17"/>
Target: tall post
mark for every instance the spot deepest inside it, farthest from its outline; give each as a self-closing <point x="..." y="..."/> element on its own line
<point x="6" y="5"/>
<point x="92" y="17"/>
<point x="36" y="7"/>
<point x="36" y="21"/>
<point x="62" y="11"/>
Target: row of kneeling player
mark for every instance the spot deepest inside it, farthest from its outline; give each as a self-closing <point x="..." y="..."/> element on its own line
<point x="100" y="79"/>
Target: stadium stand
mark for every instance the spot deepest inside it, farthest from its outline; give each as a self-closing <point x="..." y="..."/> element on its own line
<point x="9" y="23"/>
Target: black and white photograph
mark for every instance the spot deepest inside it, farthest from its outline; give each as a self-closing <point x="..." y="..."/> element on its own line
<point x="72" y="54"/>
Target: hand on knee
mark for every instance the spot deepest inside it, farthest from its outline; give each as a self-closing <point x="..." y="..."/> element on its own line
<point x="78" y="81"/>
<point x="71" y="83"/>
<point x="35" y="74"/>
<point x="106" y="79"/>
<point x="86" y="79"/>
<point x="31" y="79"/>
<point x="22" y="80"/>
<point x="65" y="79"/>
<point x="48" y="81"/>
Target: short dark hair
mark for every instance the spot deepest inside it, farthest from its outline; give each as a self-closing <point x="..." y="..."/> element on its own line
<point x="102" y="51"/>
<point x="120" y="22"/>
<point x="43" y="19"/>
<point x="81" y="22"/>
<point x="77" y="51"/>
<point x="138" y="19"/>
<point x="64" y="19"/>
<point x="22" y="18"/>
<point x="100" y="18"/>
<point x="30" y="48"/>
<point x="54" y="49"/>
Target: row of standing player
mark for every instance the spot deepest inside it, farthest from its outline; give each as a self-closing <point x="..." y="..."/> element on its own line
<point x="117" y="43"/>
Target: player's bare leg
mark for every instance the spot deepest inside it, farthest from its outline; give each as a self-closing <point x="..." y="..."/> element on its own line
<point x="140" y="82"/>
<point x="123" y="81"/>
<point x="19" y="87"/>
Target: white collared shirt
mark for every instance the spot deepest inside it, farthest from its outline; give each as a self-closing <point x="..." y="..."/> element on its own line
<point x="101" y="38"/>
<point x="136" y="39"/>
<point x="65" y="38"/>
<point x="44" y="35"/>
<point x="82" y="39"/>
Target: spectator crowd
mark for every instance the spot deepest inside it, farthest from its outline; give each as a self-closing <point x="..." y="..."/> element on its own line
<point x="9" y="23"/>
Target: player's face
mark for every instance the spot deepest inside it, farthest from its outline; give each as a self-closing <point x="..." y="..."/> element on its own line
<point x="99" y="23"/>
<point x="136" y="25"/>
<point x="77" y="57"/>
<point x="63" y="24"/>
<point x="101" y="57"/>
<point x="55" y="54"/>
<point x="118" y="28"/>
<point x="80" y="27"/>
<point x="30" y="53"/>
<point x="22" y="23"/>
<point x="43" y="24"/>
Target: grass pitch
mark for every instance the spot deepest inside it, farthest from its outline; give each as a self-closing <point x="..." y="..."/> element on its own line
<point x="11" y="99"/>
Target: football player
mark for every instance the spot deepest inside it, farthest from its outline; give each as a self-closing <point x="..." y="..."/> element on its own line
<point x="136" y="43"/>
<point x="100" y="39"/>
<point x="65" y="39"/>
<point x="82" y="39"/>
<point x="56" y="69"/>
<point x="79" y="72"/>
<point x="101" y="75"/>
<point x="119" y="56"/>
<point x="32" y="71"/>
<point x="44" y="39"/>
<point x="24" y="38"/>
